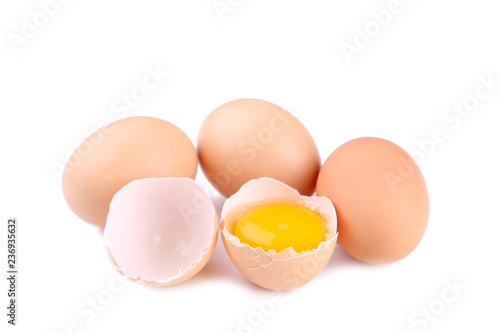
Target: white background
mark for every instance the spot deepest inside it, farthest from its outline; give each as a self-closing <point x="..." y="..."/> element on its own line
<point x="63" y="81"/>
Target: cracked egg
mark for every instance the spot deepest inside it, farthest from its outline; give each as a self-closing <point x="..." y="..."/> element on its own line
<point x="160" y="231"/>
<point x="277" y="238"/>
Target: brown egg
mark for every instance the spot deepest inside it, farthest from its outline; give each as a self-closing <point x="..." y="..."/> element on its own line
<point x="249" y="138"/>
<point x="125" y="150"/>
<point x="380" y="196"/>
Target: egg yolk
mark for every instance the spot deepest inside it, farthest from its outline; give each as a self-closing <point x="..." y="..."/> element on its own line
<point x="279" y="226"/>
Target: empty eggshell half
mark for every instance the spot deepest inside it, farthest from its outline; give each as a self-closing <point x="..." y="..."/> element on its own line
<point x="276" y="270"/>
<point x="160" y="231"/>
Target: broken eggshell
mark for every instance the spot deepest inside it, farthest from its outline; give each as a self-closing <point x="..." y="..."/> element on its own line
<point x="160" y="231"/>
<point x="276" y="270"/>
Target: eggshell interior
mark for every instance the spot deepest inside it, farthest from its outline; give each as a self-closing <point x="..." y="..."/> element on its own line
<point x="276" y="270"/>
<point x="160" y="230"/>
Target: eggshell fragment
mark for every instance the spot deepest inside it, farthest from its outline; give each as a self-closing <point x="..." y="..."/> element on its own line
<point x="160" y="231"/>
<point x="286" y="269"/>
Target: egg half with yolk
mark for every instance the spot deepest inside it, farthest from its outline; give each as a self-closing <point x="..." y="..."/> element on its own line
<point x="276" y="237"/>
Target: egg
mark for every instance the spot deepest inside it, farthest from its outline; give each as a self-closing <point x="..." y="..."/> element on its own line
<point x="289" y="266"/>
<point x="122" y="151"/>
<point x="160" y="231"/>
<point x="380" y="196"/>
<point x="248" y="138"/>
